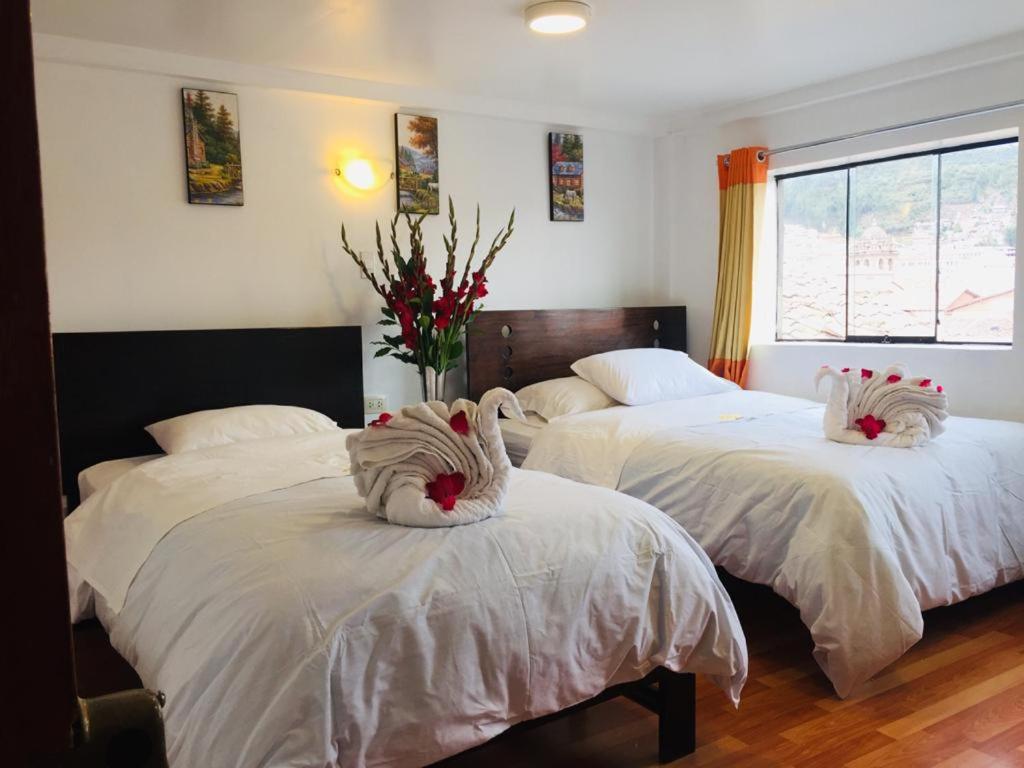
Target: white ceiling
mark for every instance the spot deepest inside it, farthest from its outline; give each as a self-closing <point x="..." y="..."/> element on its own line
<point x="648" y="57"/>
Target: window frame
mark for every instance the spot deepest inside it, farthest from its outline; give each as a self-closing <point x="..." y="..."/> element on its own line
<point x="933" y="339"/>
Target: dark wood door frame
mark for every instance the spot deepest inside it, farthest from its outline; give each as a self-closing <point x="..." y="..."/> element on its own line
<point x="39" y="686"/>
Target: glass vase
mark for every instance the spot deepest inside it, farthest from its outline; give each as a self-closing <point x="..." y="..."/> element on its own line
<point x="432" y="384"/>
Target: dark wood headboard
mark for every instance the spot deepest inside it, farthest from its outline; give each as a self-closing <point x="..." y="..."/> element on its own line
<point x="514" y="348"/>
<point x="111" y="385"/>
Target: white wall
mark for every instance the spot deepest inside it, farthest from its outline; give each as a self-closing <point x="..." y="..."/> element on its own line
<point x="981" y="381"/>
<point x="126" y="251"/>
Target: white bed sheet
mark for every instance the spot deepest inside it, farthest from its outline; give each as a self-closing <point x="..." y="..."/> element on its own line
<point x="518" y="436"/>
<point x="860" y="538"/>
<point x="99" y="476"/>
<point x="292" y="627"/>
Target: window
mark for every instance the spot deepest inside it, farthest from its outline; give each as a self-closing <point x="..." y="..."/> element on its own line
<point x="916" y="248"/>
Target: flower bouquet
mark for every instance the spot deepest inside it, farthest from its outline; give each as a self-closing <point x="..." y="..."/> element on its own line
<point x="432" y="316"/>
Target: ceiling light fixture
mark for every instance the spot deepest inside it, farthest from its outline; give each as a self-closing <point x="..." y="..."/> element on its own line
<point x="558" y="18"/>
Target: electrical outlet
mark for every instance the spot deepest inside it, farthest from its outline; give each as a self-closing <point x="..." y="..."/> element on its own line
<point x="375" y="403"/>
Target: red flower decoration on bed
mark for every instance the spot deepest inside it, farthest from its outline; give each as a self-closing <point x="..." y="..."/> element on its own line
<point x="938" y="388"/>
<point x="870" y="426"/>
<point x="445" y="489"/>
<point x="925" y="383"/>
<point x="381" y="420"/>
<point x="459" y="423"/>
<point x="866" y="373"/>
<point x="893" y="378"/>
<point x="846" y="370"/>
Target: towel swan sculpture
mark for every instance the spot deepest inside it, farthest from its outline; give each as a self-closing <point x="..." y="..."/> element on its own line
<point x="434" y="466"/>
<point x="882" y="408"/>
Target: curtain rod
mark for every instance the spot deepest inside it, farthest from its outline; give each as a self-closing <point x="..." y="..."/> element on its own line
<point x="763" y="155"/>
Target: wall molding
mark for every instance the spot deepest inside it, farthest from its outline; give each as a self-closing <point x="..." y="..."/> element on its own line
<point x="993" y="51"/>
<point x="91" y="53"/>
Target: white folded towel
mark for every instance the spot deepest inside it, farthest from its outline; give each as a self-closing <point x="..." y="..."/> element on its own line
<point x="889" y="407"/>
<point x="433" y="466"/>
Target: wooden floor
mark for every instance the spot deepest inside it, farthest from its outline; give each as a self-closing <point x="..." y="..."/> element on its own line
<point x="954" y="700"/>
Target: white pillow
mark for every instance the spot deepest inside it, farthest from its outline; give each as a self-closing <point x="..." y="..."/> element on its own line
<point x="642" y="376"/>
<point x="205" y="429"/>
<point x="562" y="397"/>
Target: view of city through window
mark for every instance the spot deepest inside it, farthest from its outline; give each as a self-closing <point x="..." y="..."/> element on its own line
<point x="919" y="247"/>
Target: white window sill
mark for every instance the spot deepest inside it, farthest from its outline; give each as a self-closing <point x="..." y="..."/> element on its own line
<point x="860" y="345"/>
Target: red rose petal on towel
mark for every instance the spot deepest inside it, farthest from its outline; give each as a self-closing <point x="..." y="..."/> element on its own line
<point x="870" y="426"/>
<point x="445" y="489"/>
<point x="846" y="370"/>
<point x="894" y="378"/>
<point x="938" y="388"/>
<point x="866" y="373"/>
<point x="381" y="420"/>
<point x="925" y="383"/>
<point x="459" y="423"/>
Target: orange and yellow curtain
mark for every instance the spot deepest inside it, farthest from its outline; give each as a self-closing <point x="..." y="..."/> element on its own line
<point x="741" y="188"/>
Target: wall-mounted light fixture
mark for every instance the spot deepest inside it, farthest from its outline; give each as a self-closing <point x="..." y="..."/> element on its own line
<point x="359" y="173"/>
<point x="362" y="173"/>
<point x="557" y="17"/>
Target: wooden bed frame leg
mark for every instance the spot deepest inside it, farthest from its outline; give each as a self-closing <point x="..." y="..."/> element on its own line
<point x="677" y="715"/>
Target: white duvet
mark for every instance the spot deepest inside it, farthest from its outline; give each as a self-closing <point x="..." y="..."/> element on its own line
<point x="290" y="627"/>
<point x="860" y="538"/>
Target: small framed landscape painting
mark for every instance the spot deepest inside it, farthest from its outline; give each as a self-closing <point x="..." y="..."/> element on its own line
<point x="213" y="151"/>
<point x="416" y="160"/>
<point x="566" y="176"/>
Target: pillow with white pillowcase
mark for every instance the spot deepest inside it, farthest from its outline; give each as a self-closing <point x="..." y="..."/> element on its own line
<point x="650" y="375"/>
<point x="206" y="429"/>
<point x="562" y="397"/>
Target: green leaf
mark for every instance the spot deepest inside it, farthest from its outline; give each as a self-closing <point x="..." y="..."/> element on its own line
<point x="455" y="351"/>
<point x="395" y="341"/>
<point x="388" y="312"/>
<point x="382" y="351"/>
<point x="386" y="321"/>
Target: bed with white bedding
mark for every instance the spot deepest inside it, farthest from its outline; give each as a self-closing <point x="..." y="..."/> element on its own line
<point x="518" y="437"/>
<point x="288" y="626"/>
<point x="860" y="539"/>
<point x="244" y="577"/>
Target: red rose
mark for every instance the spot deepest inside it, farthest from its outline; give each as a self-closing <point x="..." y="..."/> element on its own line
<point x="459" y="423"/>
<point x="381" y="420"/>
<point x="866" y="373"/>
<point x="445" y="489"/>
<point x="870" y="426"/>
<point x="893" y="378"/>
<point x="925" y="383"/>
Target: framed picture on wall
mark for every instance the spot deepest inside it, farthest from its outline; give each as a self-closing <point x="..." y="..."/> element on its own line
<point x="213" y="150"/>
<point x="416" y="161"/>
<point x="566" y="153"/>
